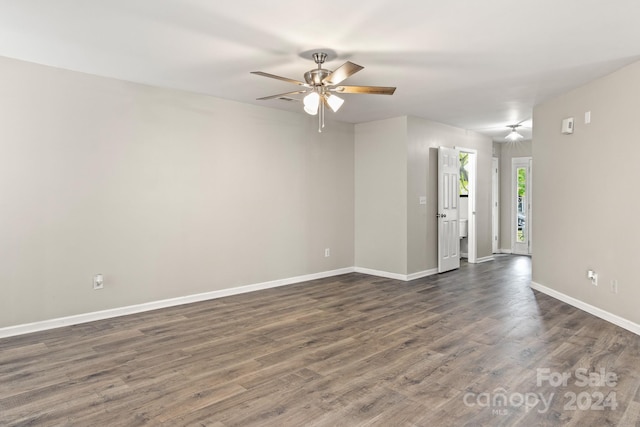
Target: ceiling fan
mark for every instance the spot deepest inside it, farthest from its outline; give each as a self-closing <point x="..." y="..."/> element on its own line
<point x="321" y="87"/>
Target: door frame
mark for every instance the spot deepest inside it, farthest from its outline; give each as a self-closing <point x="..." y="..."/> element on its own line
<point x="495" y="205"/>
<point x="518" y="162"/>
<point x="472" y="242"/>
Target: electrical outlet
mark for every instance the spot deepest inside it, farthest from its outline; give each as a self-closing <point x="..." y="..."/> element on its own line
<point x="98" y="281"/>
<point x="614" y="286"/>
<point x="327" y="252"/>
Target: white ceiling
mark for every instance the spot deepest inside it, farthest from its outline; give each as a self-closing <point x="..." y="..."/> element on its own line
<point x="479" y="65"/>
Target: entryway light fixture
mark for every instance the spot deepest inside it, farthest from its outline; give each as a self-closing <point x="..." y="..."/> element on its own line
<point x="513" y="135"/>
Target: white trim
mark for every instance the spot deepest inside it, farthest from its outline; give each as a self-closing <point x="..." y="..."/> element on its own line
<point x="495" y="204"/>
<point x="421" y="274"/>
<point x="515" y="163"/>
<point x="397" y="276"/>
<point x="506" y="251"/>
<point x="530" y="207"/>
<point x="380" y="273"/>
<point x="154" y="305"/>
<point x="480" y="260"/>
<point x="598" y="312"/>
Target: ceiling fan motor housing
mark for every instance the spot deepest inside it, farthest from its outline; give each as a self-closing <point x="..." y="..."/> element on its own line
<point x="315" y="77"/>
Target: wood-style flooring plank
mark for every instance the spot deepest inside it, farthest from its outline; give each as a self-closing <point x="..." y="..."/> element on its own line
<point x="351" y="350"/>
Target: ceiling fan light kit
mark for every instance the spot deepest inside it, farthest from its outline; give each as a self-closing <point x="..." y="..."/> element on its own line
<point x="311" y="103"/>
<point x="320" y="84"/>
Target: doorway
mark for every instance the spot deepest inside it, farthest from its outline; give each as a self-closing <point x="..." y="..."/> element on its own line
<point x="521" y="205"/>
<point x="468" y="168"/>
<point x="456" y="205"/>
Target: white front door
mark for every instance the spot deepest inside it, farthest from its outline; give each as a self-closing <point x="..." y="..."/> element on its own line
<point x="448" y="196"/>
<point x="521" y="199"/>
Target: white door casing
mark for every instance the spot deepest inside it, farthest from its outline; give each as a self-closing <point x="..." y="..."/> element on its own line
<point x="472" y="246"/>
<point x="495" y="205"/>
<point x="521" y="207"/>
<point x="530" y="188"/>
<point x="448" y="196"/>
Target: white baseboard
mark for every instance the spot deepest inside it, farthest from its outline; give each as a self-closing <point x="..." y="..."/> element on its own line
<point x="396" y="276"/>
<point x="421" y="274"/>
<point x="154" y="305"/>
<point x="380" y="273"/>
<point x="505" y="251"/>
<point x="598" y="312"/>
<point x="485" y="259"/>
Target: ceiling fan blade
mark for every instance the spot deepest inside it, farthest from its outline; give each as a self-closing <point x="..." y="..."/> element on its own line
<point x="281" y="95"/>
<point x="372" y="90"/>
<point x="342" y="72"/>
<point x="284" y="79"/>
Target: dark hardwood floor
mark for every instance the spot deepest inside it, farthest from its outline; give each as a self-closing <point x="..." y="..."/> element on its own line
<point x="471" y="347"/>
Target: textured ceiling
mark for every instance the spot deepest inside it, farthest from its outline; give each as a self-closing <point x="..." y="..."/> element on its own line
<point x="479" y="65"/>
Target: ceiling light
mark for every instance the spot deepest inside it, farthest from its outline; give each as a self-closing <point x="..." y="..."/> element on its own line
<point x="334" y="102"/>
<point x="319" y="82"/>
<point x="311" y="103"/>
<point x="513" y="135"/>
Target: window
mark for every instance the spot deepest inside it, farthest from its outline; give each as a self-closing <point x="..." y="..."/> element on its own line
<point x="464" y="175"/>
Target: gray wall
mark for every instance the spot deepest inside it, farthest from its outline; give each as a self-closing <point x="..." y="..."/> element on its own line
<point x="381" y="195"/>
<point x="581" y="183"/>
<point x="166" y="193"/>
<point x="401" y="155"/>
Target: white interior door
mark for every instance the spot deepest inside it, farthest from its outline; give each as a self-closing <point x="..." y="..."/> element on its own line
<point x="448" y="197"/>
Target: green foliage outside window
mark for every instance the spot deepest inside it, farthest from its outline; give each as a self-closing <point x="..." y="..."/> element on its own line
<point x="464" y="174"/>
<point x="522" y="181"/>
<point x="522" y="190"/>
